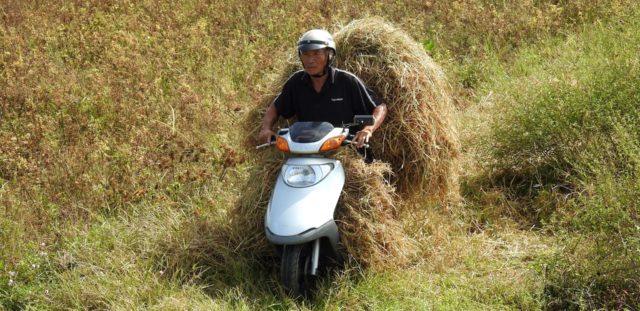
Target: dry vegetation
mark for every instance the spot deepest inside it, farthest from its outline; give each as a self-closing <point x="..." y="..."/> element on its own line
<point x="121" y="156"/>
<point x="417" y="147"/>
<point x="418" y="140"/>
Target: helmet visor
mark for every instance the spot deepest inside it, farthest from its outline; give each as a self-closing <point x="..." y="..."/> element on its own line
<point x="308" y="45"/>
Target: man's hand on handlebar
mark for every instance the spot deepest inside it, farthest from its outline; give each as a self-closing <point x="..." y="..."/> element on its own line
<point x="361" y="138"/>
<point x="265" y="135"/>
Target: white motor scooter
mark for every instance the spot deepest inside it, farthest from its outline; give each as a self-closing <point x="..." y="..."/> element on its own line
<point x="299" y="218"/>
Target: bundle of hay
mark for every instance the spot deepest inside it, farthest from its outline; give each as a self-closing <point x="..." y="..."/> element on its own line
<point x="370" y="230"/>
<point x="417" y="146"/>
<point x="367" y="215"/>
<point x="417" y="139"/>
<point x="246" y="227"/>
<point x="252" y="122"/>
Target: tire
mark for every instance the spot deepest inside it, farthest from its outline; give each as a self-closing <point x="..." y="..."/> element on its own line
<point x="295" y="269"/>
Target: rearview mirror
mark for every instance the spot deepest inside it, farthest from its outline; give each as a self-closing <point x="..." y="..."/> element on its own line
<point x="362" y="119"/>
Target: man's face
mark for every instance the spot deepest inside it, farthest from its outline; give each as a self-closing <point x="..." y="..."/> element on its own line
<point x="314" y="61"/>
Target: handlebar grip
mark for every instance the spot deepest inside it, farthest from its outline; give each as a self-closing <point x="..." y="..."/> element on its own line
<point x="265" y="145"/>
<point x="349" y="142"/>
<point x="272" y="141"/>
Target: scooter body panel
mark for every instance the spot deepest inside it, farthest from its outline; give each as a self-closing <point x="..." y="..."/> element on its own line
<point x="296" y="210"/>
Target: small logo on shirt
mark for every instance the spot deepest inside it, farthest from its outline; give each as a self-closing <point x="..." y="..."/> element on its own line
<point x="337" y="99"/>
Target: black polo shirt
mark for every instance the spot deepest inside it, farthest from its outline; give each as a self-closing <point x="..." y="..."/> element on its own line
<point x="343" y="96"/>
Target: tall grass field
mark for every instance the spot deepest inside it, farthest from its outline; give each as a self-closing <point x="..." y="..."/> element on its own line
<point x="122" y="151"/>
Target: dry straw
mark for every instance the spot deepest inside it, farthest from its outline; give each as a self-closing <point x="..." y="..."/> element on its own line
<point x="418" y="139"/>
<point x="417" y="148"/>
<point x="367" y="216"/>
<point x="371" y="232"/>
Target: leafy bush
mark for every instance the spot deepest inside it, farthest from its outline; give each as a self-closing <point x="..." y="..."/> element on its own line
<point x="575" y="111"/>
<point x="598" y="263"/>
<point x="570" y="124"/>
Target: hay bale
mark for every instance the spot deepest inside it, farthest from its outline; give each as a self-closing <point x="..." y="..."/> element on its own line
<point x="367" y="216"/>
<point x="253" y="120"/>
<point x="246" y="226"/>
<point x="417" y="139"/>
<point x="417" y="146"/>
<point x="370" y="230"/>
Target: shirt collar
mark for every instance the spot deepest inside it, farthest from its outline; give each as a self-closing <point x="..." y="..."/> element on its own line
<point x="332" y="75"/>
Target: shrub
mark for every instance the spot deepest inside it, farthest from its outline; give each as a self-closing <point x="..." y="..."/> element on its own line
<point x="571" y="124"/>
<point x="576" y="110"/>
<point x="598" y="262"/>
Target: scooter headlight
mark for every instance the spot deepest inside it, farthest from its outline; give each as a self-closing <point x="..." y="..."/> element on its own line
<point x="305" y="175"/>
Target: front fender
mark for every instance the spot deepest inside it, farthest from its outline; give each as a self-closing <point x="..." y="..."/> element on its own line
<point x="292" y="211"/>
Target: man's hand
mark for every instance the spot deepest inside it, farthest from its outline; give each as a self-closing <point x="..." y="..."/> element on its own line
<point x="269" y="119"/>
<point x="265" y="135"/>
<point x="362" y="138"/>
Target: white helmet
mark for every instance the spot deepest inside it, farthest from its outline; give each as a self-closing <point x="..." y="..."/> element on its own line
<point x="316" y="39"/>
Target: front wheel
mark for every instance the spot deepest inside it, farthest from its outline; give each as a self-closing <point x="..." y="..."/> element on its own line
<point x="295" y="269"/>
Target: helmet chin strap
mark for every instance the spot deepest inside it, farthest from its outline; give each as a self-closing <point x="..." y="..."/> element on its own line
<point x="320" y="75"/>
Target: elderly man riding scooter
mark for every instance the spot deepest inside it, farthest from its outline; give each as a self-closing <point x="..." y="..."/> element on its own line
<point x="329" y="104"/>
<point x="321" y="92"/>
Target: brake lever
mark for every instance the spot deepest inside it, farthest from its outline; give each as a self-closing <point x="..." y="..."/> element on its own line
<point x="350" y="142"/>
<point x="265" y="145"/>
<point x="272" y="141"/>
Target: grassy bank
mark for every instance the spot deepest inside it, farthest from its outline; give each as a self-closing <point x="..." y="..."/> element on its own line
<point x="563" y="151"/>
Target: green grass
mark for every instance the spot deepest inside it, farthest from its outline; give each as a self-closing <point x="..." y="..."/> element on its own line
<point x="120" y="154"/>
<point x="564" y="151"/>
<point x="578" y="112"/>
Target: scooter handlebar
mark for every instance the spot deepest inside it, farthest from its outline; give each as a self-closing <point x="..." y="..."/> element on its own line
<point x="349" y="142"/>
<point x="272" y="141"/>
<point x="265" y="145"/>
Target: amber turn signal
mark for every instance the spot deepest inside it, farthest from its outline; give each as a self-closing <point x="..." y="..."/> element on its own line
<point x="282" y="144"/>
<point x="332" y="143"/>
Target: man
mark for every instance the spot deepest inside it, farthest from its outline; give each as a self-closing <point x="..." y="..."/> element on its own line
<point x="323" y="93"/>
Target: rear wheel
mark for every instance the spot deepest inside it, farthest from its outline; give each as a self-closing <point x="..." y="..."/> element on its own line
<point x="295" y="269"/>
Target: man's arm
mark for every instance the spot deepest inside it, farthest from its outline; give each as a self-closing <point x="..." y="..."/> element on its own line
<point x="269" y="119"/>
<point x="362" y="137"/>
